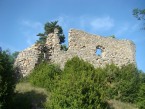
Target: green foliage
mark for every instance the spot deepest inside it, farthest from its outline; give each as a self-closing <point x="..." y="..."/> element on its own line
<point x="140" y="101"/>
<point x="141" y="97"/>
<point x="81" y="86"/>
<point x="44" y="75"/>
<point x="42" y="39"/>
<point x="129" y="83"/>
<point x="106" y="78"/>
<point x="49" y="28"/>
<point x="139" y="14"/>
<point x="64" y="47"/>
<point x="7" y="79"/>
<point x="121" y="83"/>
<point x="113" y="36"/>
<point x="28" y="97"/>
<point x="77" y="88"/>
<point x="15" y="54"/>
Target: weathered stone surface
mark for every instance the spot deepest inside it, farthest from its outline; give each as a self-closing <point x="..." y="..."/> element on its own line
<point x="83" y="45"/>
<point x="27" y="60"/>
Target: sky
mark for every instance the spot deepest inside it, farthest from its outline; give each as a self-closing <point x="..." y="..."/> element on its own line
<point x="22" y="20"/>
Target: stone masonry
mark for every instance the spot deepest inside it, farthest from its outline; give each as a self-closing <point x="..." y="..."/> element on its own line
<point x="27" y="60"/>
<point x="83" y="45"/>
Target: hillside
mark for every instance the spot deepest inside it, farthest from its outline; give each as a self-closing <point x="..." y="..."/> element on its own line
<point x="81" y="86"/>
<point x="31" y="96"/>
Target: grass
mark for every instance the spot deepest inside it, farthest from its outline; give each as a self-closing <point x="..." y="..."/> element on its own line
<point x="26" y="87"/>
<point x="28" y="96"/>
<point x="121" y="105"/>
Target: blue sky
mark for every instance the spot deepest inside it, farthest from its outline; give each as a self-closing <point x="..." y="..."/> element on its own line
<point x="21" y="20"/>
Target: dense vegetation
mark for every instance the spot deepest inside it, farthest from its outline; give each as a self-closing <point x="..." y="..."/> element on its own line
<point x="82" y="86"/>
<point x="7" y="79"/>
<point x="45" y="75"/>
<point x="78" y="86"/>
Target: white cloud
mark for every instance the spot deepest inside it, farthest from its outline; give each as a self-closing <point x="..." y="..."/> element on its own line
<point x="89" y="23"/>
<point x="104" y="23"/>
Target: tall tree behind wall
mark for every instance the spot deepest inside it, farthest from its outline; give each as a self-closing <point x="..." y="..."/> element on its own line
<point x="49" y="28"/>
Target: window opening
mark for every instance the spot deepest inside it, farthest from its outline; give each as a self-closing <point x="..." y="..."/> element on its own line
<point x="98" y="52"/>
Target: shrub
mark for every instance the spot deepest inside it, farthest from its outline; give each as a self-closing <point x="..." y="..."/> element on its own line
<point x="140" y="101"/>
<point x="44" y="75"/>
<point x="141" y="97"/>
<point x="128" y="83"/>
<point x="7" y="80"/>
<point x="81" y="86"/>
<point x="123" y="83"/>
<point x="77" y="88"/>
<point x="105" y="77"/>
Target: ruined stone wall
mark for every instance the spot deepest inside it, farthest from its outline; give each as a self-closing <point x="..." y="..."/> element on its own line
<point x="26" y="60"/>
<point x="83" y="45"/>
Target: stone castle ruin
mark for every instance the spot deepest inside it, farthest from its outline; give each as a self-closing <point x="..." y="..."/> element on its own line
<point x="81" y="44"/>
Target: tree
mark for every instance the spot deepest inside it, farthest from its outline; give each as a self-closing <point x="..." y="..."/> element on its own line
<point x="15" y="54"/>
<point x="64" y="47"/>
<point x="76" y="88"/>
<point x="141" y="91"/>
<point x="49" y="28"/>
<point x="139" y="14"/>
<point x="7" y="80"/>
<point x="0" y="49"/>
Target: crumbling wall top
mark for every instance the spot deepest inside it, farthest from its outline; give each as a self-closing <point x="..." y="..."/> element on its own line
<point x="83" y="45"/>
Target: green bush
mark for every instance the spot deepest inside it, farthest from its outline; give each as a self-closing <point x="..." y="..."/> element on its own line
<point x="128" y="83"/>
<point x="77" y="88"/>
<point x="140" y="101"/>
<point x="7" y="80"/>
<point x="81" y="86"/>
<point x="122" y="83"/>
<point x="107" y="76"/>
<point x="45" y="75"/>
<point x="141" y="97"/>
